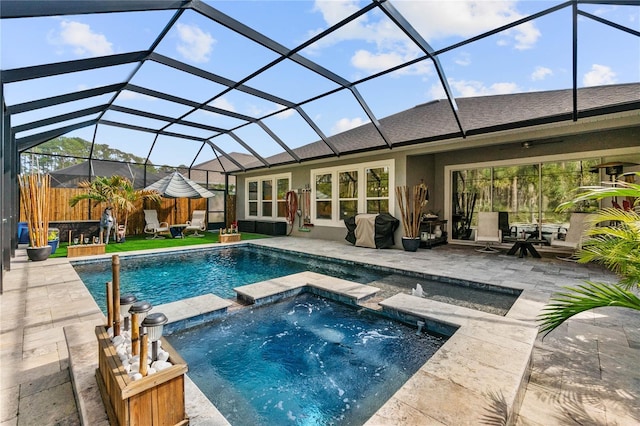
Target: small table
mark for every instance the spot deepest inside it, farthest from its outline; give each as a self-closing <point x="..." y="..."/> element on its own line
<point x="177" y="230"/>
<point x="524" y="245"/>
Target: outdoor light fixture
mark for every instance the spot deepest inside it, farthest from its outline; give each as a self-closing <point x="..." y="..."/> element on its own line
<point x="126" y="300"/>
<point x="138" y="311"/>
<point x="154" y="323"/>
<point x="140" y="308"/>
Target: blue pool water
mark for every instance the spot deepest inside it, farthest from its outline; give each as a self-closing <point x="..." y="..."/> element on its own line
<point x="164" y="278"/>
<point x="303" y="361"/>
<point x="167" y="277"/>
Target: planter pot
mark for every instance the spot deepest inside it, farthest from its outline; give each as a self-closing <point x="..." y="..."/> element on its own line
<point x="37" y="254"/>
<point x="54" y="245"/>
<point x="410" y="244"/>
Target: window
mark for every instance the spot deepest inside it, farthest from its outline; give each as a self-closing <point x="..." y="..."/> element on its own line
<point x="283" y="188"/>
<point x="267" y="197"/>
<point x="323" y="190"/>
<point x="377" y="190"/>
<point x="253" y="198"/>
<point x="261" y="194"/>
<point x="341" y="192"/>
<point x="348" y="193"/>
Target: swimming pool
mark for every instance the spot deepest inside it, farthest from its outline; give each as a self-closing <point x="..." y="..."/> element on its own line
<point x="168" y="277"/>
<point x="303" y="361"/>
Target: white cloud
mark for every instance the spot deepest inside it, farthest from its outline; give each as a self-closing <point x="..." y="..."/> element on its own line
<point x="372" y="62"/>
<point x="285" y="114"/>
<point x="599" y="75"/>
<point x="333" y="11"/>
<point x="526" y="35"/>
<point x="463" y="59"/>
<point x="434" y="20"/>
<point x="129" y="95"/>
<point x="195" y="44"/>
<point x="81" y="39"/>
<point x="223" y="103"/>
<point x="470" y="88"/>
<point x="466" y="18"/>
<point x="540" y="73"/>
<point x="345" y="124"/>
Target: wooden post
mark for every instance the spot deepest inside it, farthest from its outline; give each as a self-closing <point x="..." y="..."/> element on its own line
<point x="81" y="238"/>
<point x="69" y="237"/>
<point x="115" y="271"/>
<point x="109" y="304"/>
<point x="144" y="349"/>
<point x="135" y="335"/>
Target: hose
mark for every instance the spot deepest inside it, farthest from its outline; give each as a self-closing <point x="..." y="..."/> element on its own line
<point x="291" y="199"/>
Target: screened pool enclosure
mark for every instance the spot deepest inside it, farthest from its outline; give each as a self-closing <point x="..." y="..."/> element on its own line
<point x="218" y="89"/>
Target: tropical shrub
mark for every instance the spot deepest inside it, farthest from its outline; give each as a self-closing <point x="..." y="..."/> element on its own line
<point x="614" y="243"/>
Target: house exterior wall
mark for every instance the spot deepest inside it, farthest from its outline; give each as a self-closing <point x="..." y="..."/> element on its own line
<point x="430" y="163"/>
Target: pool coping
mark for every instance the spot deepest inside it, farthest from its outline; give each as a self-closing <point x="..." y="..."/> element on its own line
<point x="479" y="373"/>
<point x="478" y="376"/>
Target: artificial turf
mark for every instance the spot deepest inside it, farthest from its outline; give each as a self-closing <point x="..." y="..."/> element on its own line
<point x="140" y="242"/>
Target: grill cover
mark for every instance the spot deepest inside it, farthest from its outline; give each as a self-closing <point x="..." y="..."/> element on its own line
<point x="385" y="227"/>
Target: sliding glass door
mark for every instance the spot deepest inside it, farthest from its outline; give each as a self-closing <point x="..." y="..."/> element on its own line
<point x="526" y="195"/>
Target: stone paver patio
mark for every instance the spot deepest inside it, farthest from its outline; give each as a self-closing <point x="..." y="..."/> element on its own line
<point x="583" y="373"/>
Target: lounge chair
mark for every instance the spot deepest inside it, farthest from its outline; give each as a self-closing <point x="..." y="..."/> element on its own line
<point x="153" y="225"/>
<point x="578" y="224"/>
<point x="197" y="223"/>
<point x="488" y="231"/>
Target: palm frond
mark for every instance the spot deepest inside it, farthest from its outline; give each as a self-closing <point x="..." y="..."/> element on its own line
<point x="563" y="306"/>
<point x="613" y="240"/>
<point x="617" y="188"/>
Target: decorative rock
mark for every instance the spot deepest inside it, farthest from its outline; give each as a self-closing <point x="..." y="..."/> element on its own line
<point x="131" y="364"/>
<point x="161" y="365"/>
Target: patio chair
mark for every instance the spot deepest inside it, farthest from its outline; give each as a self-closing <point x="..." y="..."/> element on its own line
<point x="578" y="224"/>
<point x="197" y="223"/>
<point x="153" y="225"/>
<point x="488" y="231"/>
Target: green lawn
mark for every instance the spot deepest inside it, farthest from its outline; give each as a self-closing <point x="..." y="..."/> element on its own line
<point x="140" y="242"/>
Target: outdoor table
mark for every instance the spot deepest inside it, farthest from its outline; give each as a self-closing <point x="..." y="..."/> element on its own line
<point x="524" y="245"/>
<point x="177" y="230"/>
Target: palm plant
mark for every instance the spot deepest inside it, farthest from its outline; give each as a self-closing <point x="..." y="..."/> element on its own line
<point x="616" y="246"/>
<point x="116" y="192"/>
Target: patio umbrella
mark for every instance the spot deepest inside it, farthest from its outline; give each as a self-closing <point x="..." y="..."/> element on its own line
<point x="178" y="186"/>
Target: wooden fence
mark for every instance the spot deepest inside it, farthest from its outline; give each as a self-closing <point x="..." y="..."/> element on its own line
<point x="169" y="210"/>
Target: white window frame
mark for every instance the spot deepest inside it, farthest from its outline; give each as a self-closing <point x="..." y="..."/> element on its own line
<point x="274" y="196"/>
<point x="361" y="168"/>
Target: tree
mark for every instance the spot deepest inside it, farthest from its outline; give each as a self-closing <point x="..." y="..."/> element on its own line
<point x="116" y="192"/>
<point x="615" y="245"/>
<point x="63" y="152"/>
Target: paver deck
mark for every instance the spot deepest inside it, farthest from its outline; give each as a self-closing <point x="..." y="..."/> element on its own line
<point x="583" y="373"/>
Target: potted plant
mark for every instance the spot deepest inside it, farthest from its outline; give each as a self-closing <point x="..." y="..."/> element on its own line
<point x="34" y="194"/>
<point x="53" y="239"/>
<point x="411" y="202"/>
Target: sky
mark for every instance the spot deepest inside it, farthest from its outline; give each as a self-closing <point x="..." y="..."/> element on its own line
<point x="534" y="56"/>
